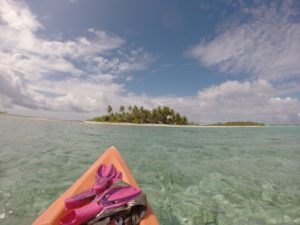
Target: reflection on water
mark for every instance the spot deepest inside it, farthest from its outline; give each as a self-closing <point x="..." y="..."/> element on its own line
<point x="193" y="176"/>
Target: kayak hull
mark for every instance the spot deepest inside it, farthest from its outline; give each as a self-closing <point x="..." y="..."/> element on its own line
<point x="56" y="210"/>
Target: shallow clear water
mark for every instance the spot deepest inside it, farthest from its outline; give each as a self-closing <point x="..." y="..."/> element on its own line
<point x="193" y="176"/>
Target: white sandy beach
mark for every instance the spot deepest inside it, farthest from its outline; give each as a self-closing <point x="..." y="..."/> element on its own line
<point x="162" y="125"/>
<point x="123" y="124"/>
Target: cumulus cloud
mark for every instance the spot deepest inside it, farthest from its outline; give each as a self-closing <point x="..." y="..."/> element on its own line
<point x="263" y="43"/>
<point x="266" y="46"/>
<point x="40" y="76"/>
<point x="41" y="73"/>
<point x="235" y="100"/>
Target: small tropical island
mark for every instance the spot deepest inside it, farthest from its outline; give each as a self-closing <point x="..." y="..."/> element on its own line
<point x="141" y="115"/>
<point x="238" y="123"/>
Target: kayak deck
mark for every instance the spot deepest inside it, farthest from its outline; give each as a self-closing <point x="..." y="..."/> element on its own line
<point x="55" y="212"/>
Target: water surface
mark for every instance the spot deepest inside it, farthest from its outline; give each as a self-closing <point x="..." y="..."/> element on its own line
<point x="193" y="176"/>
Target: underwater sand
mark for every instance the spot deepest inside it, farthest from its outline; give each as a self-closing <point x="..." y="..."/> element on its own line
<point x="192" y="176"/>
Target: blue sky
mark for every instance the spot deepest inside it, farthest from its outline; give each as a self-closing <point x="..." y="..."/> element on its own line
<point x="211" y="60"/>
<point x="162" y="29"/>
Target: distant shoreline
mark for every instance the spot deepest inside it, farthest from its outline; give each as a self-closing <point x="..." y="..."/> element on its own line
<point x="41" y="118"/>
<point x="139" y="124"/>
<point x="160" y="125"/>
<point x="133" y="124"/>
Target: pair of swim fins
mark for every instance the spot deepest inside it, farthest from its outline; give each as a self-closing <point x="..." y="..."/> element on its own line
<point x="99" y="198"/>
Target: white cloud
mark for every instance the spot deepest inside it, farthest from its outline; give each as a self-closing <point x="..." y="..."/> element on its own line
<point x="41" y="73"/>
<point x="73" y="1"/>
<point x="267" y="46"/>
<point x="129" y="78"/>
<point x="234" y="100"/>
<point x="125" y="62"/>
<point x="40" y="76"/>
<point x="17" y="16"/>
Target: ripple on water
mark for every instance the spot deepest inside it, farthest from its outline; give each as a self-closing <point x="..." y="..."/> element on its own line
<point x="193" y="176"/>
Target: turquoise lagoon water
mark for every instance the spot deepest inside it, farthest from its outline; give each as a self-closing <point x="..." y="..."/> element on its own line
<point x="193" y="176"/>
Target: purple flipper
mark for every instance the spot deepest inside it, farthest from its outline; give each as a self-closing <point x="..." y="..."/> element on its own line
<point x="105" y="176"/>
<point x="109" y="199"/>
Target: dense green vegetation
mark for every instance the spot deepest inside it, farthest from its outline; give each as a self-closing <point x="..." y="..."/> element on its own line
<point x="238" y="123"/>
<point x="159" y="115"/>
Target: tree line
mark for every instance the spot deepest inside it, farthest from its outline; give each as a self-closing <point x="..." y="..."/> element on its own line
<point x="135" y="114"/>
<point x="238" y="123"/>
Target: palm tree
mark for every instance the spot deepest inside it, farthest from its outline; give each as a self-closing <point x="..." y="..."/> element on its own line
<point x="135" y="114"/>
<point x="109" y="109"/>
<point x="177" y="118"/>
<point x="184" y="120"/>
<point x="122" y="109"/>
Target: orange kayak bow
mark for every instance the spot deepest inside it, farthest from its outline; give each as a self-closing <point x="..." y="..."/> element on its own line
<point x="56" y="210"/>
